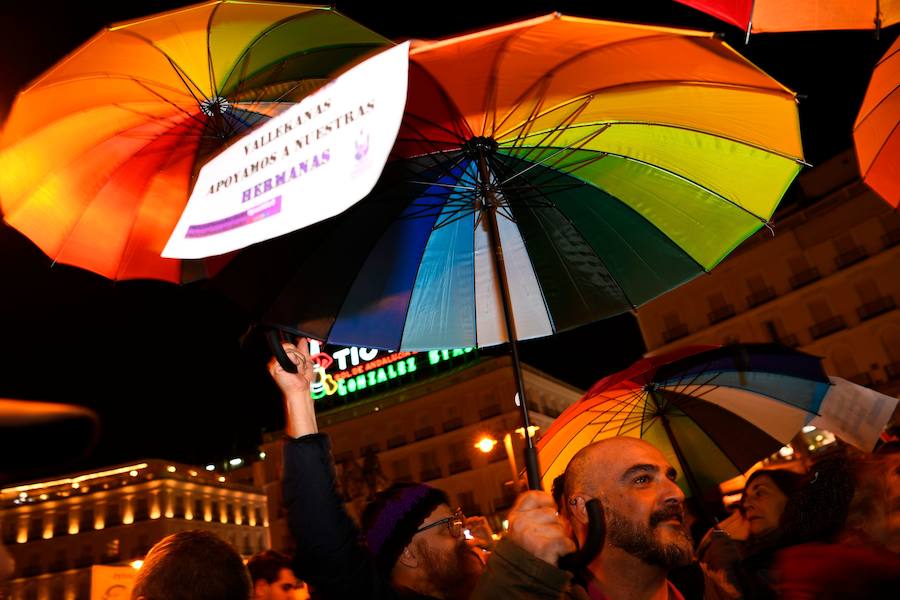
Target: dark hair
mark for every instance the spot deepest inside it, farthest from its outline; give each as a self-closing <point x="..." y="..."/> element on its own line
<point x="389" y="522"/>
<point x="267" y="565"/>
<point x="818" y="509"/>
<point x="787" y="482"/>
<point x="558" y="490"/>
<point x="192" y="565"/>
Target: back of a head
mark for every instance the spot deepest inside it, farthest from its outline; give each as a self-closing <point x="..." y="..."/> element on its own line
<point x="192" y="565"/>
<point x="267" y="565"/>
<point x="390" y="520"/>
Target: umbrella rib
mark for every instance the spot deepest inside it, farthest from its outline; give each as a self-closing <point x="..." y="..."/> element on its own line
<point x="598" y="257"/>
<point x="571" y="147"/>
<point x="209" y="56"/>
<point x="520" y="128"/>
<point x="491" y="87"/>
<point x="436" y="125"/>
<point x="553" y="133"/>
<point x="188" y="82"/>
<point x="531" y="118"/>
<point x="695" y="184"/>
<point x="881" y="149"/>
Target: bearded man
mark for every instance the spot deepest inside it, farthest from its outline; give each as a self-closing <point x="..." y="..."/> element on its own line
<point x="645" y="532"/>
<point x="413" y="543"/>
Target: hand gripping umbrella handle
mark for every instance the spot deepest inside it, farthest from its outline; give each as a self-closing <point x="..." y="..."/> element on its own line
<point x="274" y="337"/>
<point x="579" y="560"/>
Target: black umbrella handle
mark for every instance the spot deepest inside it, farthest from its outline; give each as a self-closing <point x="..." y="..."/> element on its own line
<point x="579" y="560"/>
<point x="275" y="337"/>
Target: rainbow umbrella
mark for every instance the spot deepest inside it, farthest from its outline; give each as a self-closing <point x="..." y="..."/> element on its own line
<point x="761" y="16"/>
<point x="99" y="153"/>
<point x="712" y="411"/>
<point x="875" y="132"/>
<point x="548" y="173"/>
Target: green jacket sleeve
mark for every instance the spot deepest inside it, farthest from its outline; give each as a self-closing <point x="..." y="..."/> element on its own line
<point x="512" y="573"/>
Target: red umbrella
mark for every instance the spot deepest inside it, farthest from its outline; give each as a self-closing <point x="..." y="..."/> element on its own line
<point x="875" y="131"/>
<point x="762" y="16"/>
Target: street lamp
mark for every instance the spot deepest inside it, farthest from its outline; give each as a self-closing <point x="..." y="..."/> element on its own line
<point x="486" y="444"/>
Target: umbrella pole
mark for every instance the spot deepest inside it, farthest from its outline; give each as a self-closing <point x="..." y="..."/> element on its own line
<point x="688" y="474"/>
<point x="531" y="459"/>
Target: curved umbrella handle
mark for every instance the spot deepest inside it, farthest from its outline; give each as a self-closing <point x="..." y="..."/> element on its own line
<point x="579" y="560"/>
<point x="274" y="337"/>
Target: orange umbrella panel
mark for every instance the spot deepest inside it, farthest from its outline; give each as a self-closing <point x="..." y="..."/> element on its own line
<point x="100" y="151"/>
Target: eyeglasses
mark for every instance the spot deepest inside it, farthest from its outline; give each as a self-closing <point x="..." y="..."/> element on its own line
<point x="454" y="522"/>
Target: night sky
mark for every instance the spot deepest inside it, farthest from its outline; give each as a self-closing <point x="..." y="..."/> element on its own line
<point x="164" y="364"/>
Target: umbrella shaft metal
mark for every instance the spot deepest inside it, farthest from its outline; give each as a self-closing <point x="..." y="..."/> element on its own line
<point x="490" y="213"/>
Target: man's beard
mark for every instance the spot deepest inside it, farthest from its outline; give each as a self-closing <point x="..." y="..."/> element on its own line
<point x="642" y="541"/>
<point x="454" y="574"/>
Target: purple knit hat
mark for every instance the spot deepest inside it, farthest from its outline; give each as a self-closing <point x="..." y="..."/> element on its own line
<point x="390" y="521"/>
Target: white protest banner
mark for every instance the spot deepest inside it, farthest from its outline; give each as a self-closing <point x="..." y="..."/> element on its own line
<point x="310" y="163"/>
<point x="111" y="583"/>
<point x="854" y="413"/>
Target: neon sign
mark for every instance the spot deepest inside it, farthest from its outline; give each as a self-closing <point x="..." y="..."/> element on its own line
<point x="360" y="369"/>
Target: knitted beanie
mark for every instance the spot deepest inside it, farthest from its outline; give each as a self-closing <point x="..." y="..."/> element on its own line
<point x="390" y="521"/>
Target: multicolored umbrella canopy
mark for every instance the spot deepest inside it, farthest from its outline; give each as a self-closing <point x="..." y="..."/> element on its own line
<point x="875" y="132"/>
<point x="616" y="162"/>
<point x="99" y="152"/>
<point x="712" y="411"/>
<point x="762" y="16"/>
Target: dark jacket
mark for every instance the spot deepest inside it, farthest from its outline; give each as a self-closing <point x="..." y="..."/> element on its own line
<point x="329" y="555"/>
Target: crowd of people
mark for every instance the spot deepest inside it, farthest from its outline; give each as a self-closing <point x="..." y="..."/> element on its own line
<point x="833" y="532"/>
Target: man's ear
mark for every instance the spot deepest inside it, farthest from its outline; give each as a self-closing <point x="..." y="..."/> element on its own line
<point x="408" y="558"/>
<point x="576" y="509"/>
<point x="260" y="589"/>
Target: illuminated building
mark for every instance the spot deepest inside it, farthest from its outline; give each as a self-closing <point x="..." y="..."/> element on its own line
<point x="426" y="430"/>
<point x="827" y="283"/>
<point x="57" y="529"/>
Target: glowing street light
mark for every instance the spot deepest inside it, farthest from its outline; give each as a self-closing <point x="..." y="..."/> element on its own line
<point x="532" y="429"/>
<point x="486" y="444"/>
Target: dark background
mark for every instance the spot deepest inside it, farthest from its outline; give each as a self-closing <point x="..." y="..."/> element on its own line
<point x="164" y="365"/>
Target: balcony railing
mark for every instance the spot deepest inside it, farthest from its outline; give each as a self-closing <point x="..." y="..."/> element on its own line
<point x="861" y="379"/>
<point x="424" y="433"/>
<point x="827" y="327"/>
<point x="675" y="333"/>
<point x="891" y="238"/>
<point x="396" y="441"/>
<point x="789" y="340"/>
<point x="489" y="411"/>
<point x="761" y="297"/>
<point x="471" y="509"/>
<point x="452" y="424"/>
<point x="875" y="308"/>
<point x="850" y="257"/>
<point x="458" y="466"/>
<point x="720" y="314"/>
<point x="892" y="370"/>
<point x="503" y="502"/>
<point x="805" y="277"/>
<point x="432" y="473"/>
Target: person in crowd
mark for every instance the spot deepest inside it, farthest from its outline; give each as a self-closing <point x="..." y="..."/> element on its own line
<point x="645" y="533"/>
<point x="833" y="535"/>
<point x="414" y="545"/>
<point x="273" y="577"/>
<point x="192" y="565"/>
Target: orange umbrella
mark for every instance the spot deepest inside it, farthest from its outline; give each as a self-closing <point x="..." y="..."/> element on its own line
<point x="100" y="152"/>
<point x="875" y="131"/>
<point x="762" y="16"/>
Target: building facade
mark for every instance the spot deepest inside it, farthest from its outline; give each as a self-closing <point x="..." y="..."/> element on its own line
<point x="827" y="283"/>
<point x="427" y="431"/>
<point x="56" y="530"/>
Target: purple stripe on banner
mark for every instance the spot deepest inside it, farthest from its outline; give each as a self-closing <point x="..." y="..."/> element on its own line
<point x="251" y="215"/>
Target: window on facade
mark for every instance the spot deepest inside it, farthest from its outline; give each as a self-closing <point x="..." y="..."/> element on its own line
<point x="86" y="523"/>
<point x="819" y="310"/>
<point x="141" y="508"/>
<point x="112" y="513"/>
<point x="400" y="469"/>
<point x="198" y="509"/>
<point x="868" y="291"/>
<point x="61" y="523"/>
